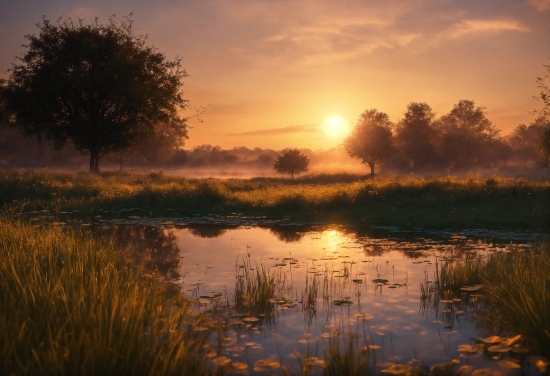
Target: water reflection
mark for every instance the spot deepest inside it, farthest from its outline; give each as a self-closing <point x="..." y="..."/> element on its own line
<point x="207" y="231"/>
<point x="325" y="279"/>
<point x="155" y="249"/>
<point x="289" y="234"/>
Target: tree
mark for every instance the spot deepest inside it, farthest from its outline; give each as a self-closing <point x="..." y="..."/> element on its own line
<point x="544" y="97"/>
<point x="371" y="139"/>
<point x="292" y="161"/>
<point x="467" y="137"/>
<point x="97" y="86"/>
<point x="525" y="143"/>
<point x="415" y="138"/>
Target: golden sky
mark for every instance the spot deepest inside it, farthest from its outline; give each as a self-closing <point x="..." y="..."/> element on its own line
<point x="270" y="72"/>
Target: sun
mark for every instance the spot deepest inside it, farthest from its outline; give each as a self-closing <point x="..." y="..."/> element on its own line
<point x="335" y="126"/>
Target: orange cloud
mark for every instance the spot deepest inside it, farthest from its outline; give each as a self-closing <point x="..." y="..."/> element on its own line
<point x="308" y="128"/>
<point x="467" y="27"/>
<point x="540" y="5"/>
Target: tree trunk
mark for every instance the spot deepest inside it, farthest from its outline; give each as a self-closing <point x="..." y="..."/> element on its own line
<point x="371" y="165"/>
<point x="94" y="161"/>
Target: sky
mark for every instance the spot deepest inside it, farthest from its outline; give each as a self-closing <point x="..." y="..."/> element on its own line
<point x="270" y="72"/>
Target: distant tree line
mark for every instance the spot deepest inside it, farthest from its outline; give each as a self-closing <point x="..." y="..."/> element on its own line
<point x="449" y="150"/>
<point x="461" y="140"/>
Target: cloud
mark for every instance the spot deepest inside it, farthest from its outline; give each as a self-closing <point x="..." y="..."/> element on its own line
<point x="540" y="5"/>
<point x="466" y="27"/>
<point x="306" y="128"/>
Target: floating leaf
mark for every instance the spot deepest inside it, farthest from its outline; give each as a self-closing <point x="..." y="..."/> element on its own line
<point x="467" y="348"/>
<point x="511" y="341"/>
<point x="221" y="361"/>
<point x="239" y="366"/>
<point x="264" y="365"/>
<point x="397" y="369"/>
<point x="464" y="370"/>
<point x="500" y="348"/>
<point x="486" y="372"/>
<point x="492" y="339"/>
<point x="509" y="363"/>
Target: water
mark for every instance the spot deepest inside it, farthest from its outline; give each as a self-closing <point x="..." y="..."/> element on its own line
<point x="342" y="262"/>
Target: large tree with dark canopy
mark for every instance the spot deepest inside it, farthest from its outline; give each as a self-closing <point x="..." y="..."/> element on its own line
<point x="371" y="139"/>
<point x="415" y="138"/>
<point x="97" y="86"/>
<point x="468" y="138"/>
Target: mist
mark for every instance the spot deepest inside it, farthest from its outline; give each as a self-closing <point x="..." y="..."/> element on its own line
<point x="515" y="154"/>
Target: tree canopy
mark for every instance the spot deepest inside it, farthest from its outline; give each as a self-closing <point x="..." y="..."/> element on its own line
<point x="467" y="137"/>
<point x="544" y="97"/>
<point x="415" y="137"/>
<point x="292" y="161"/>
<point x="97" y="86"/>
<point x="371" y="139"/>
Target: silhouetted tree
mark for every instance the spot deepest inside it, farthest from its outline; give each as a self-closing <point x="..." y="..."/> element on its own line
<point x="416" y="138"/>
<point x="371" y="139"/>
<point x="292" y="161"/>
<point x="546" y="139"/>
<point x="526" y="143"/>
<point x="98" y="86"/>
<point x="544" y="97"/>
<point x="467" y="138"/>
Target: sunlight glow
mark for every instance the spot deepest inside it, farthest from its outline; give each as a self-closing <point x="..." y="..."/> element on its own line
<point x="335" y="126"/>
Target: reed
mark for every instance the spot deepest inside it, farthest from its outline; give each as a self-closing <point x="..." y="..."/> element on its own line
<point x="517" y="287"/>
<point x="73" y="305"/>
<point x="516" y="290"/>
<point x="254" y="289"/>
<point x="345" y="356"/>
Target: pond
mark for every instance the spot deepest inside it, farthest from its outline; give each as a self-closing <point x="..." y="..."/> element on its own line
<point x="330" y="285"/>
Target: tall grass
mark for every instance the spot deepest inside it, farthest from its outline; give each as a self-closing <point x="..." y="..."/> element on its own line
<point x="344" y="355"/>
<point x="516" y="289"/>
<point x="72" y="305"/>
<point x="403" y="201"/>
<point x="517" y="286"/>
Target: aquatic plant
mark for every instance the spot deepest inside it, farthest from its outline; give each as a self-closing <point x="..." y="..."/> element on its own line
<point x="345" y="356"/>
<point x="254" y="289"/>
<point x="515" y="286"/>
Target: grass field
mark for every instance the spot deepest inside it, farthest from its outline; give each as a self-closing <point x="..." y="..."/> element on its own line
<point x="407" y="201"/>
<point x="72" y="305"/>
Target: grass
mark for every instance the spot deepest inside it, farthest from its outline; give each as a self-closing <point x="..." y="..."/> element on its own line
<point x="516" y="289"/>
<point x="434" y="202"/>
<point x="72" y="305"/>
<point x="345" y="356"/>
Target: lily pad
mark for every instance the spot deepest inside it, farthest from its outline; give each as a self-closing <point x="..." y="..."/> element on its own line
<point x="264" y="365"/>
<point x="509" y="363"/>
<point x="492" y="339"/>
<point x="467" y="348"/>
<point x="486" y="372"/>
<point x="397" y="369"/>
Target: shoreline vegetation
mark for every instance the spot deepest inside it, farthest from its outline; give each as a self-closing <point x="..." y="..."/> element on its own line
<point x="73" y="304"/>
<point x="404" y="201"/>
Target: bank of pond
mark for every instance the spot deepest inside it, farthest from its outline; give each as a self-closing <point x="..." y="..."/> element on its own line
<point x="113" y="297"/>
<point x="405" y="201"/>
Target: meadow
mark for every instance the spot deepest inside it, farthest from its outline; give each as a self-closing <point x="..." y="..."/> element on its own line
<point x="406" y="201"/>
<point x="73" y="303"/>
